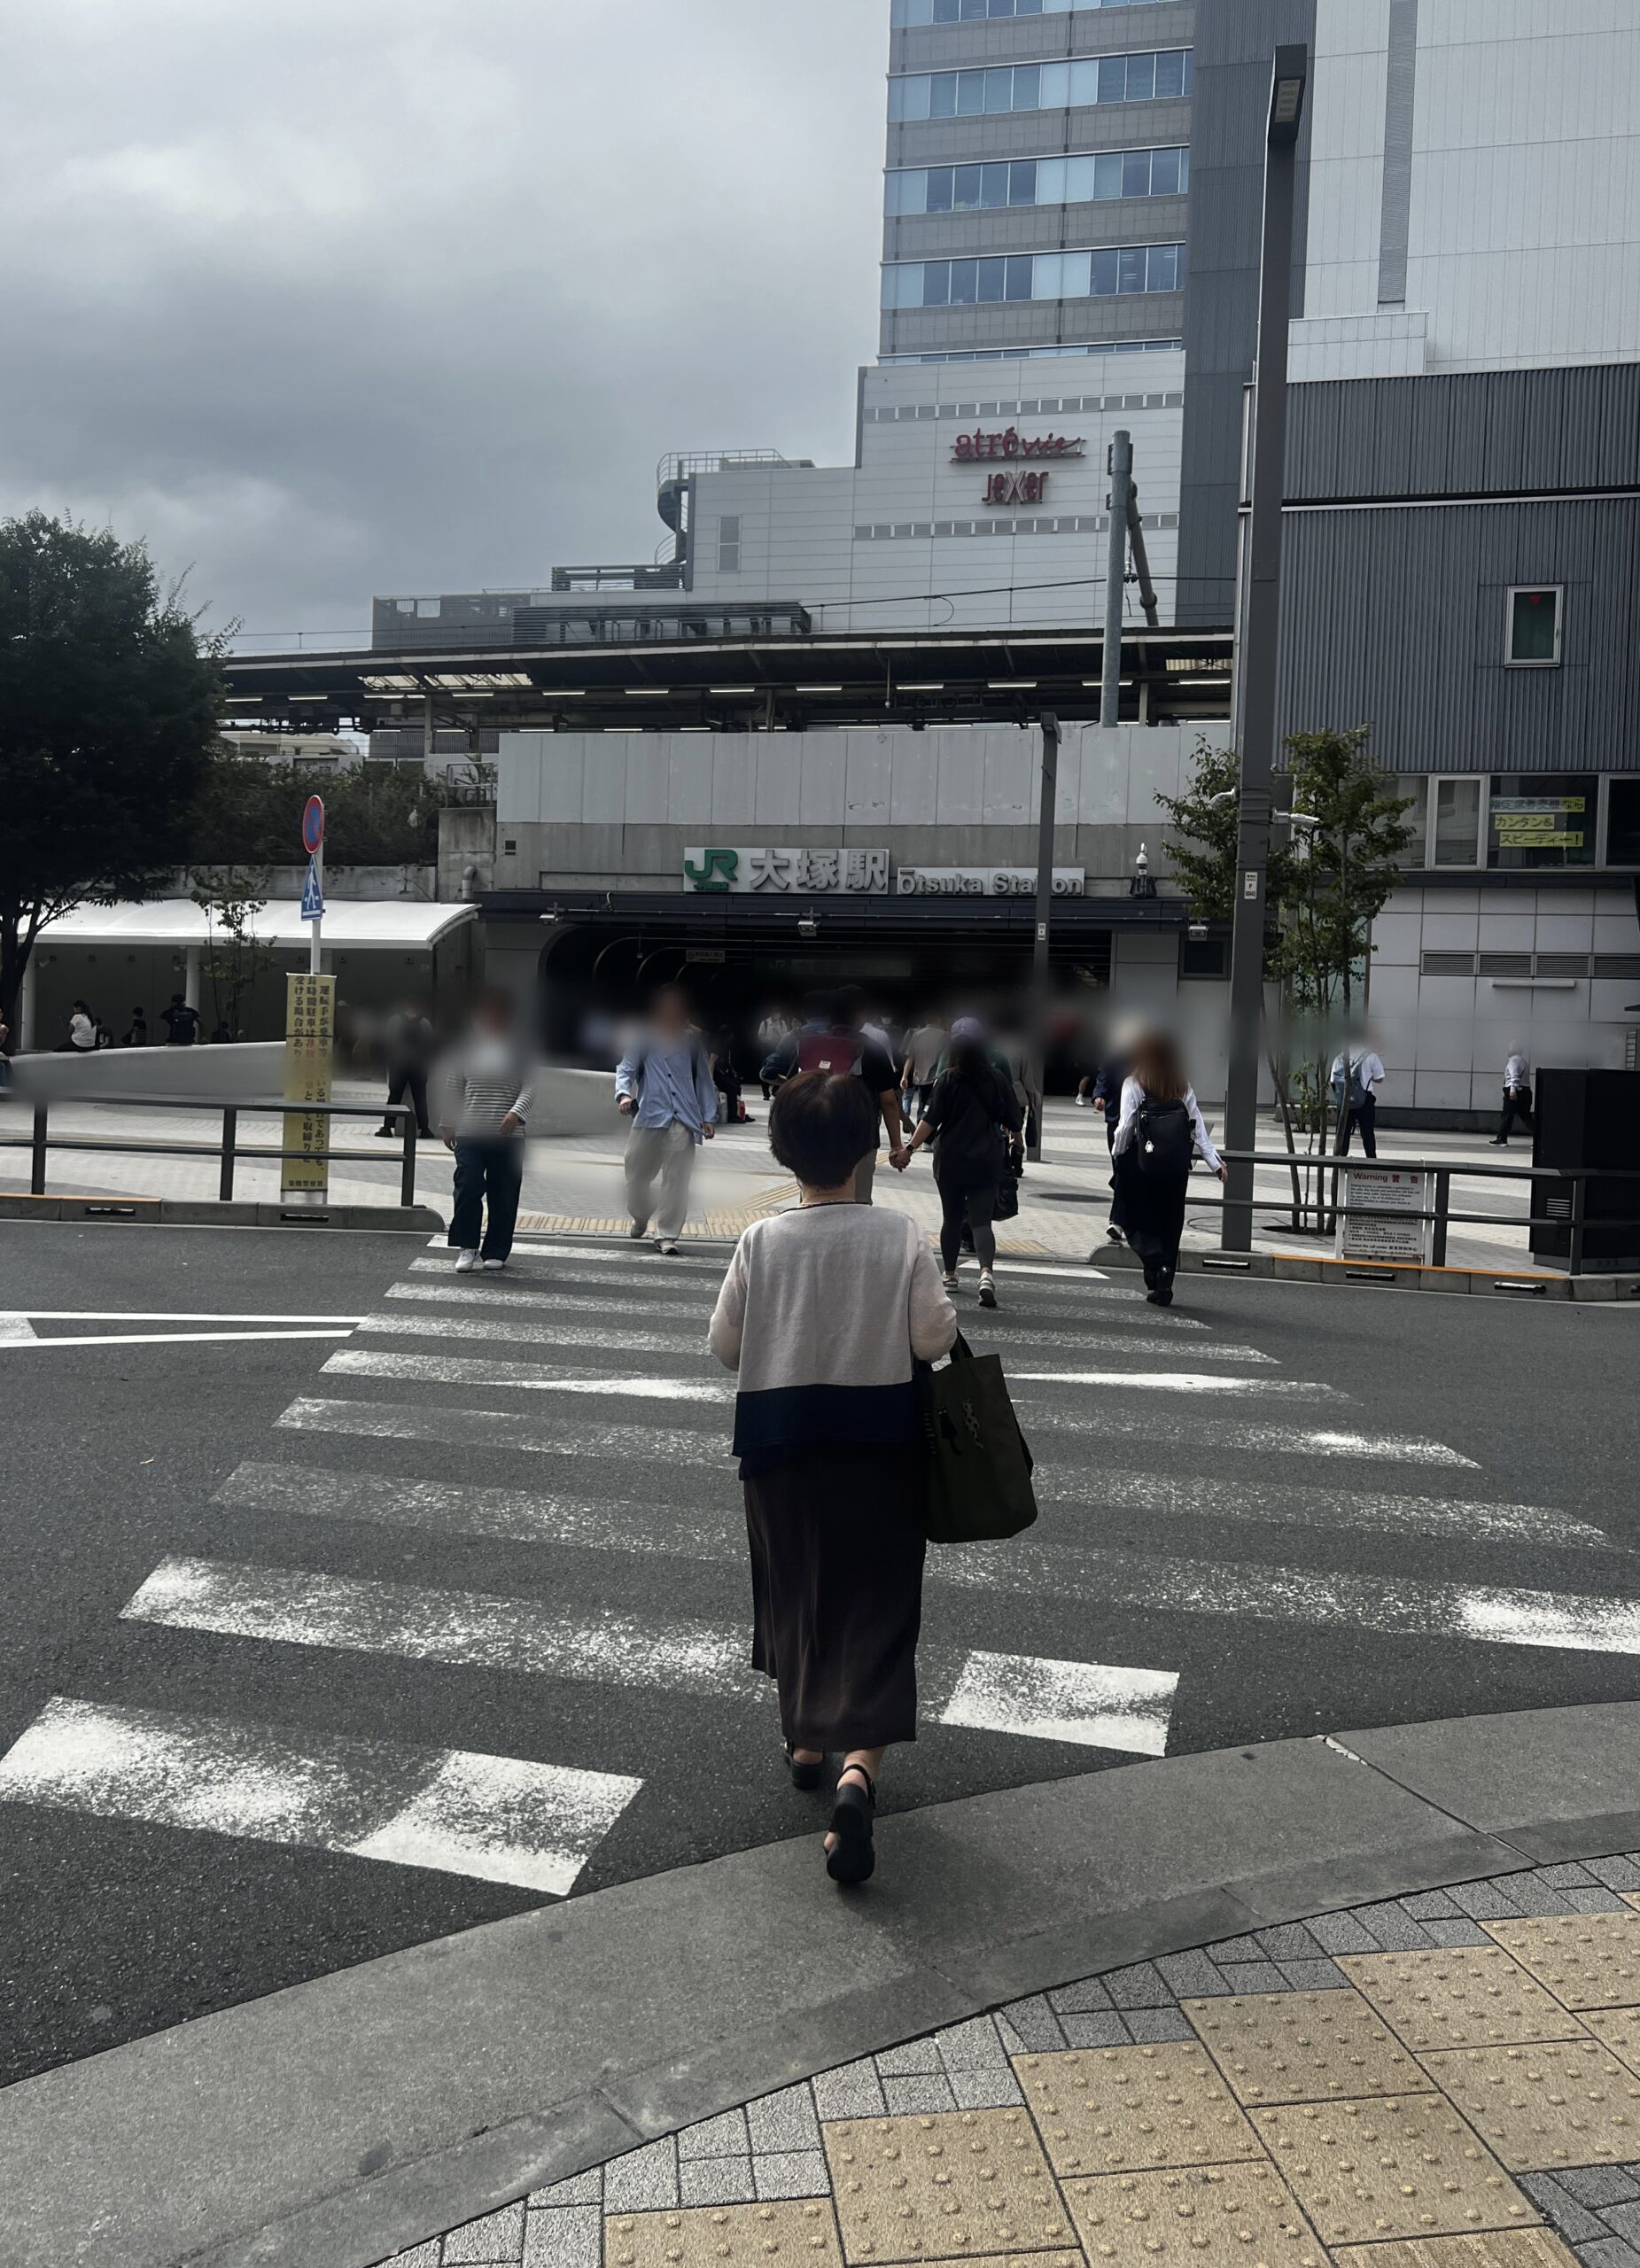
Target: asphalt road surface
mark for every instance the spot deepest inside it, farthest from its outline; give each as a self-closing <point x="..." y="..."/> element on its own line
<point x="311" y="1648"/>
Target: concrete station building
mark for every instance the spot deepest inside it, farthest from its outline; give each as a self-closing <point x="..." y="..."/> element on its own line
<point x="1071" y="222"/>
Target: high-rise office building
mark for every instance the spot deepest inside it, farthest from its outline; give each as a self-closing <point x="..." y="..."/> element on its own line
<point x="1038" y="177"/>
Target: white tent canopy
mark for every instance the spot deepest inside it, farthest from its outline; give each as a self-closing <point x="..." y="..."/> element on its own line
<point x="351" y="925"/>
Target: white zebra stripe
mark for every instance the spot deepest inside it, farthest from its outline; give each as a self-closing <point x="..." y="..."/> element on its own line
<point x="539" y="1378"/>
<point x="1160" y="1382"/>
<point x="502" y="1818"/>
<point x="1094" y="1705"/>
<point x="503" y="1429"/>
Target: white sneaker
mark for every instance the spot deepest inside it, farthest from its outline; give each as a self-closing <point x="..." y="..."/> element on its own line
<point x="466" y="1261"/>
<point x="638" y="1232"/>
<point x="668" y="1245"/>
<point x="950" y="1282"/>
<point x="489" y="1264"/>
<point x="987" y="1289"/>
<point x="1083" y="1101"/>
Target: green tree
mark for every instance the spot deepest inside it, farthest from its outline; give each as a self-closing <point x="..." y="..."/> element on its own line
<point x="231" y="904"/>
<point x="248" y="812"/>
<point x="108" y="708"/>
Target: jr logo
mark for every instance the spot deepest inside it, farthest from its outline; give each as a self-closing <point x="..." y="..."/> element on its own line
<point x="717" y="871"/>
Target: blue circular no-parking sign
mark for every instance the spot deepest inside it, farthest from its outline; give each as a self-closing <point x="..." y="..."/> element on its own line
<point x="313" y="824"/>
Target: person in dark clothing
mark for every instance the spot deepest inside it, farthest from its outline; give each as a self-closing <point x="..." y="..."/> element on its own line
<point x="182" y="1022"/>
<point x="137" y="1036"/>
<point x="1106" y="1098"/>
<point x="410" y="1054"/>
<point x="972" y="1118"/>
<point x="1158" y="1130"/>
<point x="725" y="1078"/>
<point x="829" y="1039"/>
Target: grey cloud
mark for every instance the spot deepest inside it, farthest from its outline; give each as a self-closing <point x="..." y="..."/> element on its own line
<point x="334" y="300"/>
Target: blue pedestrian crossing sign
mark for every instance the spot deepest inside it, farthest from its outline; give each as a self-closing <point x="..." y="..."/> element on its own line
<point x="312" y="896"/>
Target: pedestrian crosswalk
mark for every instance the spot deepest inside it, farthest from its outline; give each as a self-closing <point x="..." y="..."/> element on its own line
<point x="504" y="1516"/>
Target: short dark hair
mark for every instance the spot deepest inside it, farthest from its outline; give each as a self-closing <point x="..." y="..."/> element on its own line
<point x="821" y="1125"/>
<point x="848" y="1006"/>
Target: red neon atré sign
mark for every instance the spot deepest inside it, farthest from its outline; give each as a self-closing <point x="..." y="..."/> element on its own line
<point x="968" y="448"/>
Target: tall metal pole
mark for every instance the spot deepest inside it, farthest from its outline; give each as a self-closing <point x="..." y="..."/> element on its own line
<point x="1259" y="649"/>
<point x="1116" y="575"/>
<point x="1041" y="994"/>
<point x="315" y="962"/>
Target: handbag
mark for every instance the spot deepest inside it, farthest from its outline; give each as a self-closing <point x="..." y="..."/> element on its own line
<point x="976" y="1463"/>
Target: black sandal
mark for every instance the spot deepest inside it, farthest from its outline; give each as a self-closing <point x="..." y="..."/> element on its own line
<point x="853" y="1857"/>
<point x="807" y="1777"/>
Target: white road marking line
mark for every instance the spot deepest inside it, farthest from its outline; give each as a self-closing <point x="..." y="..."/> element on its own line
<point x="165" y="1315"/>
<point x="505" y="1429"/>
<point x="524" y="1332"/>
<point x="635" y="1340"/>
<point x="1109" y="1421"/>
<point x="493" y="1817"/>
<point x="1095" y="1704"/>
<point x="469" y="1629"/>
<point x="1373" y="1513"/>
<point x="166" y="1337"/>
<point x="535" y="1378"/>
<point x="14" y="1327"/>
<point x="512" y="1301"/>
<point x="624" y="1257"/>
<point x="1167" y="1382"/>
<point x="1147" y="1583"/>
<point x="507" y="1515"/>
<point x="1027" y="1272"/>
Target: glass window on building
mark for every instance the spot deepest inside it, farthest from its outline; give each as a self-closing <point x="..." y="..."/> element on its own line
<point x="1532" y="626"/>
<point x="1623" y="822"/>
<point x="1416" y="820"/>
<point x="1458" y="822"/>
<point x="729" y="544"/>
<point x="1542" y="818"/>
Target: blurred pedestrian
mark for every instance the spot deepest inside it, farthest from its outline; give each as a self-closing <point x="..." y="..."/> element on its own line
<point x="1517" y="1096"/>
<point x="1159" y="1129"/>
<point x="973" y="1119"/>
<point x="82" y="1038"/>
<point x="487" y="1091"/>
<point x="664" y="1084"/>
<point x="408" y="1046"/>
<point x="105" y="1033"/>
<point x="1106" y="1099"/>
<point x="181" y="1021"/>
<point x="222" y="1035"/>
<point x="924" y="1051"/>
<point x="772" y="1030"/>
<point x="822" y="1314"/>
<point x="725" y="1078"/>
<point x="1016" y="1053"/>
<point x="1357" y="1075"/>
<point x="137" y="1035"/>
<point x="831" y="1039"/>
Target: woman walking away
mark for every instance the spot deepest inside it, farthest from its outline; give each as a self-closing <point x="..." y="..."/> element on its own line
<point x="821" y="1313"/>
<point x="972" y="1118"/>
<point x="1159" y="1129"/>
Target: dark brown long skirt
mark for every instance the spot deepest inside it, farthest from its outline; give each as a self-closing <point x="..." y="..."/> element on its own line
<point x="837" y="1585"/>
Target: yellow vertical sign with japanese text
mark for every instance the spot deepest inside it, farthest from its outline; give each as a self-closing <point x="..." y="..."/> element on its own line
<point x="309" y="1038"/>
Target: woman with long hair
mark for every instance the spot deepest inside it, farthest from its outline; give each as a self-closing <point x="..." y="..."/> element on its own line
<point x="1158" y="1132"/>
<point x="972" y="1118"/>
<point x="821" y="1315"/>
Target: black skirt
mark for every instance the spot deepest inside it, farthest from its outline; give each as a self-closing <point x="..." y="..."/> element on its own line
<point x="837" y="1543"/>
<point x="1152" y="1215"/>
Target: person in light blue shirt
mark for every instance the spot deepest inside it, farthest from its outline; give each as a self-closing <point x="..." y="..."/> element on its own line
<point x="664" y="1084"/>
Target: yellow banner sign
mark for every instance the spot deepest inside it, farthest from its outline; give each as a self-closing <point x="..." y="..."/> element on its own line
<point x="309" y="1037"/>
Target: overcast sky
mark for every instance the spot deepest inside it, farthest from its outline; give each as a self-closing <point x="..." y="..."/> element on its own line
<point x="335" y="297"/>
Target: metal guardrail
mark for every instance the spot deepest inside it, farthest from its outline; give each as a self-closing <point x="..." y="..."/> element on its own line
<point x="228" y="1151"/>
<point x="1572" y="1219"/>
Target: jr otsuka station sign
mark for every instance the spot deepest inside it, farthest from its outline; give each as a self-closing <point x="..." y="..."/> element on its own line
<point x="736" y="870"/>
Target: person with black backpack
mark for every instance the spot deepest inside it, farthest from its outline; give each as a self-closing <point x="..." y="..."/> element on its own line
<point x="1158" y="1132"/>
<point x="974" y="1120"/>
<point x="830" y="1039"/>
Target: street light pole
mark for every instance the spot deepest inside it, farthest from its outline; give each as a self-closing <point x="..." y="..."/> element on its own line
<point x="1259" y="648"/>
<point x="1040" y="975"/>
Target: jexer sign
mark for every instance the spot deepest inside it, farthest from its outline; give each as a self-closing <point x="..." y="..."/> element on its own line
<point x="1020" y="483"/>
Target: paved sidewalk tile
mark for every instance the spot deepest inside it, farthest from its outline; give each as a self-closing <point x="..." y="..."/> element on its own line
<point x="1122" y="2109"/>
<point x="715" y="2181"/>
<point x="1212" y="2216"/>
<point x="497" y="2239"/>
<point x="1472" y="1998"/>
<point x="786" y="2121"/>
<point x="1586" y="1960"/>
<point x="970" y="2185"/>
<point x="1567" y="2103"/>
<point x="749" y="2235"/>
<point x="1400" y="2166"/>
<point x="1304" y="2047"/>
<point x="1501" y="2248"/>
<point x="565" y="2236"/>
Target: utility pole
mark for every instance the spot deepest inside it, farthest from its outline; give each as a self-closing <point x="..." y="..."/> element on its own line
<point x="1259" y="649"/>
<point x="1041" y="980"/>
<point x="1120" y="463"/>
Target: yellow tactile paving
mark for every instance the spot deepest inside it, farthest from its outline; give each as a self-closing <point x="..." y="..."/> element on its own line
<point x="1586" y="1960"/>
<point x="963" y="2184"/>
<point x="1619" y="2028"/>
<point x="1116" y="2110"/>
<point x="1203" y="2217"/>
<point x="802" y="2235"/>
<point x="1470" y="1996"/>
<point x="1498" y="2248"/>
<point x="1568" y="2102"/>
<point x="1400" y="2166"/>
<point x="1304" y="2047"/>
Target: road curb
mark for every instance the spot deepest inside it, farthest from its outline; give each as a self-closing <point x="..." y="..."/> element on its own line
<point x="179" y="1212"/>
<point x="349" y="2118"/>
